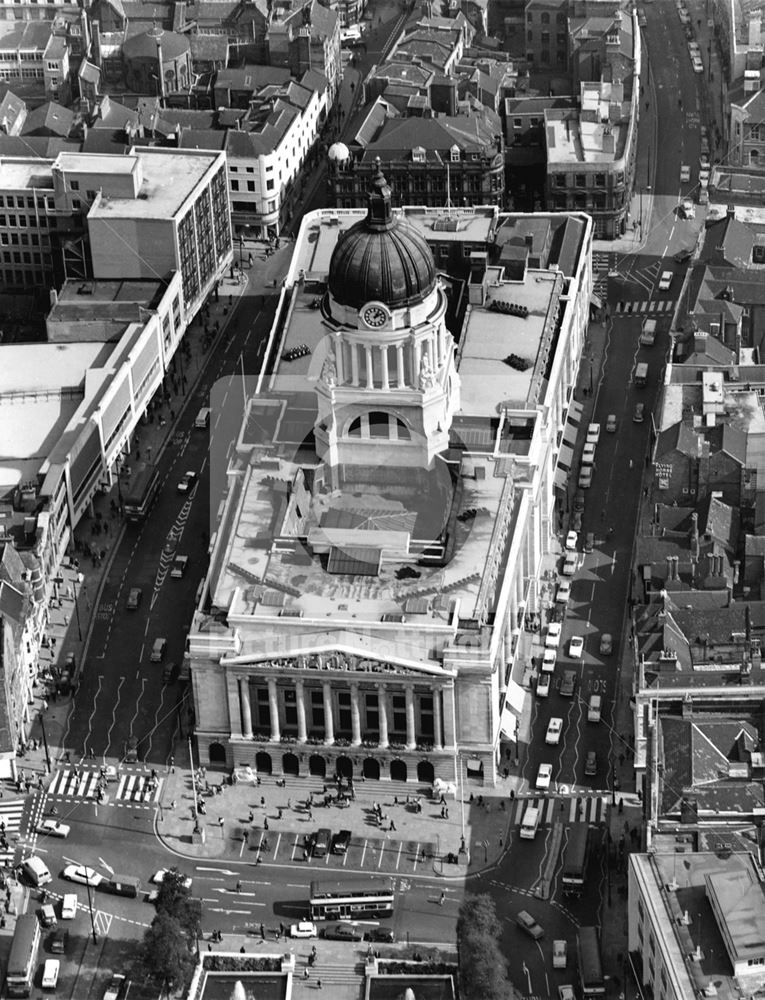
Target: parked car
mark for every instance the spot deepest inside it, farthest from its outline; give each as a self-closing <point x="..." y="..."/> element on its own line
<point x="593" y="433"/>
<point x="343" y="932"/>
<point x="566" y="993"/>
<point x="158" y="650"/>
<point x="554" y="730"/>
<point x="384" y="935"/>
<point x="683" y="255"/>
<point x="549" y="657"/>
<point x="552" y="639"/>
<point x="50" y="973"/>
<point x="606" y="644"/>
<point x="563" y="592"/>
<point x="576" y="647"/>
<point x="47" y="915"/>
<point x="543" y="685"/>
<point x="665" y="281"/>
<point x="585" y="477"/>
<point x="698" y="65"/>
<point x="82" y="875"/>
<point x="588" y="453"/>
<point x="341" y="842"/>
<point x="179" y="567"/>
<point x="58" y="940"/>
<point x="135" y="596"/>
<point x="576" y="520"/>
<point x="69" y="906"/>
<point x="304" y="929"/>
<point x="570" y="564"/>
<point x="589" y="541"/>
<point x="544" y="777"/>
<point x="686" y="211"/>
<point x="571" y="540"/>
<point x="529" y="925"/>
<point x="159" y="877"/>
<point x="187" y="482"/>
<point x="114" y="991"/>
<point x="579" y="501"/>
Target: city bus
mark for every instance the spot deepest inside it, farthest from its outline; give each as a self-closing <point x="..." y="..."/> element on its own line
<point x="141" y="492"/>
<point x="354" y="898"/>
<point x="575" y="863"/>
<point x="590" y="966"/>
<point x="23" y="958"/>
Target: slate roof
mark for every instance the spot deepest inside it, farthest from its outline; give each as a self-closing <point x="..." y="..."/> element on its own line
<point x="212" y="48"/>
<point x="11" y="109"/>
<point x="47" y="147"/>
<point x="732" y="440"/>
<point x="715" y="352"/>
<point x="251" y="77"/>
<point x="728" y="242"/>
<point x="435" y="135"/>
<point x="720" y="521"/>
<point x="88" y="72"/>
<point x="203" y="139"/>
<point x="52" y="117"/>
<point x="679" y="437"/>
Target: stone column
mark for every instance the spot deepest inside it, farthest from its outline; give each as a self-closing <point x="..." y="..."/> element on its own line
<point x="400" y="366"/>
<point x="234" y="707"/>
<point x="339" y="361"/>
<point x="244" y="697"/>
<point x="370" y="368"/>
<point x="354" y="348"/>
<point x="449" y="719"/>
<point x="273" y="702"/>
<point x="329" y="723"/>
<point x="411" y="736"/>
<point x="355" y="716"/>
<point x="437" y="739"/>
<point x="385" y="374"/>
<point x="300" y="704"/>
<point x="382" y="708"/>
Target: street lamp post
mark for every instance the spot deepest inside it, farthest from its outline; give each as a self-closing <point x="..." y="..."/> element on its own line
<point x="78" y="580"/>
<point x="45" y="743"/>
<point x="90" y="897"/>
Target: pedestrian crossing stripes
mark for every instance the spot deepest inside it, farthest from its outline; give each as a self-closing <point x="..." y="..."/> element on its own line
<point x="600" y="268"/>
<point x="137" y="788"/>
<point x="645" y="305"/>
<point x="594" y="809"/>
<point x="10" y="818"/>
<point x="74" y="784"/>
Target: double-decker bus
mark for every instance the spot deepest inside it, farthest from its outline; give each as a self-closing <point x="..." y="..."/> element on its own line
<point x="354" y="898"/>
<point x="141" y="492"/>
<point x="23" y="958"/>
<point x="575" y="862"/>
<point x="590" y="966"/>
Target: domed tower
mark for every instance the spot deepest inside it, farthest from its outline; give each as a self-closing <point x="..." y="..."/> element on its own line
<point x="389" y="386"/>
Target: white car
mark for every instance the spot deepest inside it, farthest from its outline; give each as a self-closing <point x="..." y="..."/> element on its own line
<point x="69" y="906"/>
<point x="569" y="566"/>
<point x="575" y="647"/>
<point x="698" y="65"/>
<point x="606" y="644"/>
<point x="593" y="433"/>
<point x="83" y="875"/>
<point x="305" y="929"/>
<point x="566" y="993"/>
<point x="687" y="211"/>
<point x="665" y="281"/>
<point x="554" y="729"/>
<point x="543" y="685"/>
<point x="585" y="477"/>
<point x="548" y="661"/>
<point x="50" y="973"/>
<point x="52" y="828"/>
<point x="552" y="639"/>
<point x="588" y="453"/>
<point x="564" y="592"/>
<point x="544" y="776"/>
<point x="159" y="877"/>
<point x="685" y="174"/>
<point x="571" y="540"/>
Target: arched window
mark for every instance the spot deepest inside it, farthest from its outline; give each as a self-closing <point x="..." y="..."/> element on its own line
<point x="379" y="425"/>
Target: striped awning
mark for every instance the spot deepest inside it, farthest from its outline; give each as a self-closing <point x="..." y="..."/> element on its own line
<point x="566" y="456"/>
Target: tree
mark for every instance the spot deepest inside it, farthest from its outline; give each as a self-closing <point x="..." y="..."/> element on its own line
<point x="482" y="966"/>
<point x="165" y="953"/>
<point x="174" y="899"/>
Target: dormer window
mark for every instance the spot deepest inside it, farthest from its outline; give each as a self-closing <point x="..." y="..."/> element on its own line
<point x="418" y="154"/>
<point x="455" y="154"/>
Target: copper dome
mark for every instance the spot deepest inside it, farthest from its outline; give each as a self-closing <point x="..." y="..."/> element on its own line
<point x="381" y="258"/>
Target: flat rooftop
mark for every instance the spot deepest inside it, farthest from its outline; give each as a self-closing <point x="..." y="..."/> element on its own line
<point x="105" y="300"/>
<point x="169" y="179"/>
<point x="576" y="141"/>
<point x="22" y="175"/>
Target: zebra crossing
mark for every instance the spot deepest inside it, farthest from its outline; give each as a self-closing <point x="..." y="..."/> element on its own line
<point x="10" y="816"/>
<point x="601" y="265"/>
<point x="566" y="810"/>
<point x="645" y="306"/>
<point x="74" y="784"/>
<point x="138" y="788"/>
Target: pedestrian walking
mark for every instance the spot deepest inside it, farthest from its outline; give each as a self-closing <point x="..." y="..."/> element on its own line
<point x="172" y="764"/>
<point x="392" y="827"/>
<point x="306" y="973"/>
<point x="262" y="802"/>
<point x="441" y="900"/>
<point x="173" y="804"/>
<point x="239" y="886"/>
<point x="262" y="932"/>
<point x="221" y="821"/>
<point x="265" y="823"/>
<point x="310" y="816"/>
<point x="318" y="984"/>
<point x="250" y="816"/>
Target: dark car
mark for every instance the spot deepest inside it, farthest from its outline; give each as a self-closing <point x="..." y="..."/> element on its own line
<point x="321" y="842"/>
<point x="342" y="932"/>
<point x="579" y="500"/>
<point x="568" y="684"/>
<point x="591" y="763"/>
<point x="341" y="842"/>
<point x="57" y="941"/>
<point x="131" y="750"/>
<point x="683" y="255"/>
<point x="170" y="672"/>
<point x="382" y="934"/>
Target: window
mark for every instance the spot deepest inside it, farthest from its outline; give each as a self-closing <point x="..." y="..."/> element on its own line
<point x="290" y="708"/>
<point x="317" y="708"/>
<point x="560" y="18"/>
<point x="580" y="180"/>
<point x="373" y="712"/>
<point x="600" y="180"/>
<point x="545" y="18"/>
<point x="517" y="123"/>
<point x="754" y="132"/>
<point x="234" y="185"/>
<point x="270" y="184"/>
<point x="455" y="154"/>
<point x="560" y="180"/>
<point x="399" y="713"/>
<point x="544" y="56"/>
<point x="53" y="67"/>
<point x="546" y="38"/>
<point x="251" y="186"/>
<point x="74" y="185"/>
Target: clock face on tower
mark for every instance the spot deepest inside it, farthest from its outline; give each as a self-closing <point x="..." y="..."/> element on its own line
<point x="375" y="316"/>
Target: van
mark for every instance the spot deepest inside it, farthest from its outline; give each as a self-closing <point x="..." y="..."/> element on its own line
<point x="121" y="885"/>
<point x="321" y="841"/>
<point x="50" y="973"/>
<point x="47" y="915"/>
<point x="202" y="419"/>
<point x="641" y="373"/>
<point x="69" y="906"/>
<point x="530" y="823"/>
<point x="648" y="333"/>
<point x="560" y="954"/>
<point x="158" y="650"/>
<point x="593" y="709"/>
<point x="36" y="871"/>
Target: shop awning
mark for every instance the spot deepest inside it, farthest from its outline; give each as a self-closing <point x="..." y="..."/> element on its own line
<point x="595" y="301"/>
<point x="569" y="433"/>
<point x="575" y="410"/>
<point x="566" y="456"/>
<point x="560" y="479"/>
